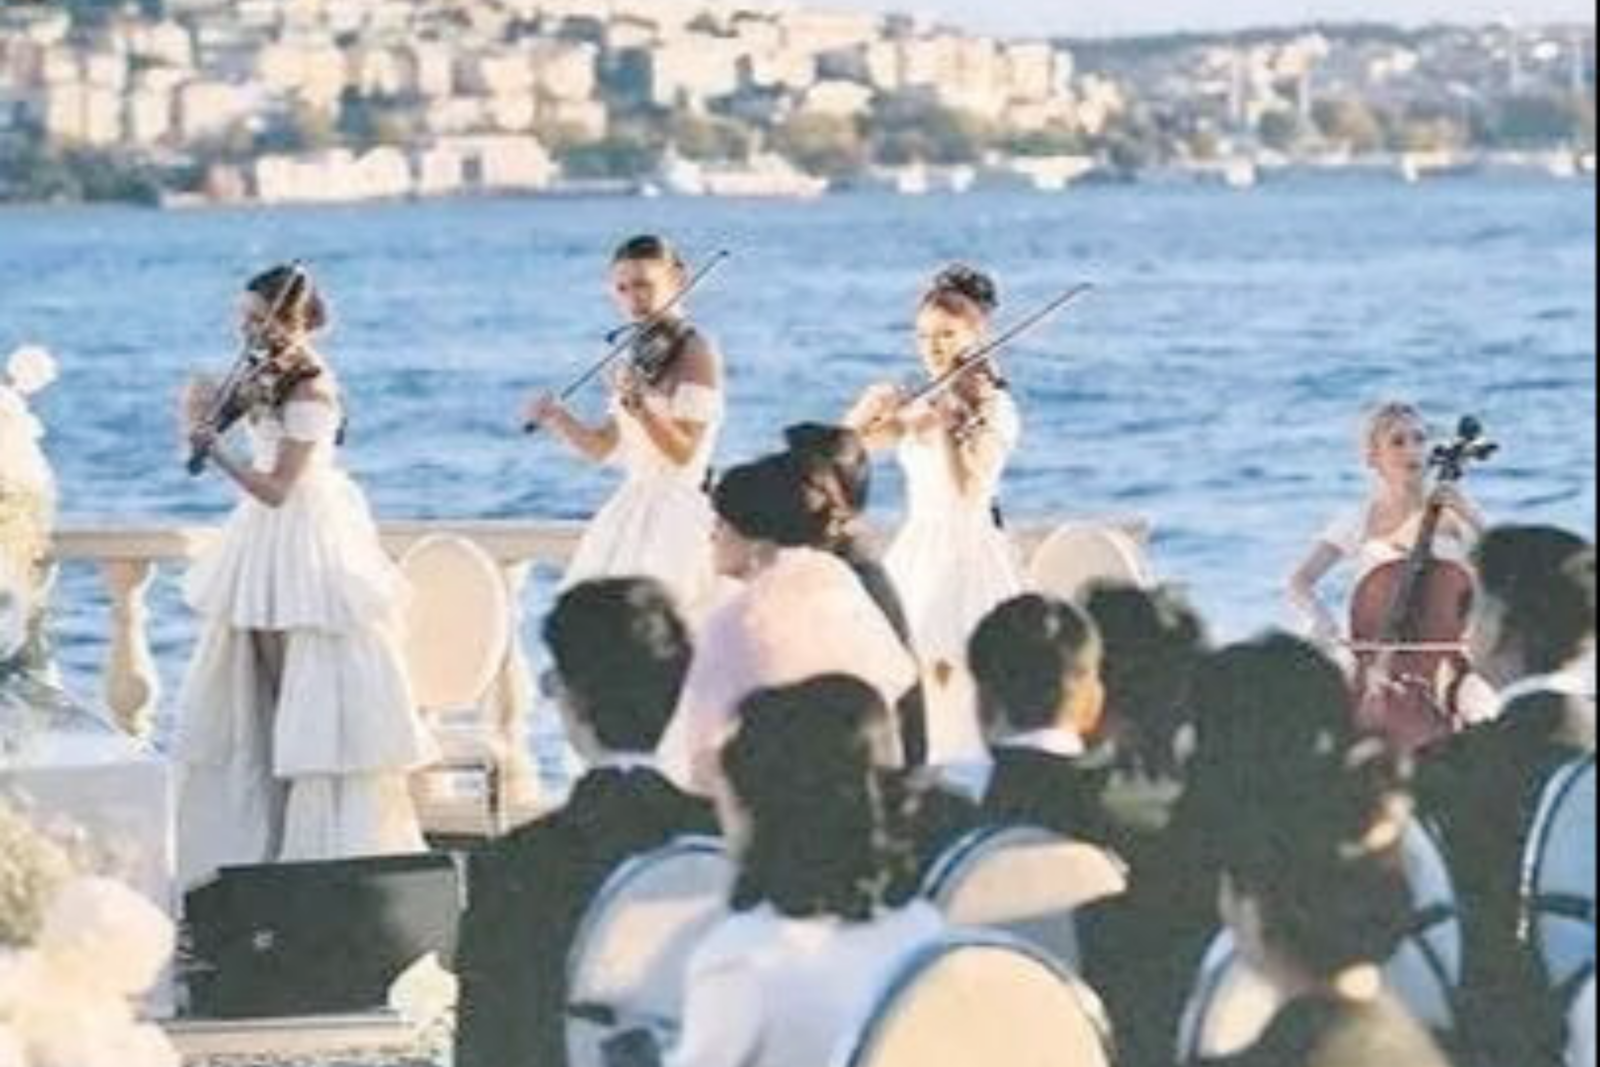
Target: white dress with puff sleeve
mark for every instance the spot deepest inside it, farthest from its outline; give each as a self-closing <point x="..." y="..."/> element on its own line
<point x="317" y="769"/>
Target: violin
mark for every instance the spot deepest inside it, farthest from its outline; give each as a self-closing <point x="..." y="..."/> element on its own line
<point x="650" y="345"/>
<point x="259" y="377"/>
<point x="1408" y="621"/>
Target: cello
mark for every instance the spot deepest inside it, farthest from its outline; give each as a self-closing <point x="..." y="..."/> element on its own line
<point x="1408" y="621"/>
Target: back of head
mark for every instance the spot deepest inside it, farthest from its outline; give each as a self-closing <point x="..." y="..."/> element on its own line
<point x="1543" y="579"/>
<point x="1027" y="656"/>
<point x="1324" y="864"/>
<point x="825" y="836"/>
<point x="835" y="470"/>
<point x="1263" y="709"/>
<point x="1154" y="643"/>
<point x="767" y="501"/>
<point x="622" y="653"/>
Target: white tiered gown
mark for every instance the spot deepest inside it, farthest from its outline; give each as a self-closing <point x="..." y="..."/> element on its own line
<point x="658" y="524"/>
<point x="320" y="772"/>
<point x="951" y="562"/>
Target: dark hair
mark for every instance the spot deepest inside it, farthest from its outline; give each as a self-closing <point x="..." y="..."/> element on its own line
<point x="292" y="298"/>
<point x="1153" y="643"/>
<point x="1545" y="579"/>
<point x="963" y="290"/>
<point x="1325" y="862"/>
<point x="835" y="472"/>
<point x="622" y="651"/>
<point x="1026" y="655"/>
<point x="647" y="248"/>
<point x="767" y="501"/>
<point x="829" y="829"/>
<point x="1263" y="711"/>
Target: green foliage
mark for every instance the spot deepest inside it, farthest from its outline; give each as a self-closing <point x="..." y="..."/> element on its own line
<point x="709" y="138"/>
<point x="1351" y="123"/>
<point x="826" y="145"/>
<point x="34" y="173"/>
<point x="912" y="129"/>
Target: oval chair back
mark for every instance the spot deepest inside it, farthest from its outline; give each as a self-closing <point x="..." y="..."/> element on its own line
<point x="975" y="1000"/>
<point x="630" y="958"/>
<point x="1077" y="556"/>
<point x="1232" y="1004"/>
<point x="1580" y="1025"/>
<point x="1026" y="882"/>
<point x="458" y="636"/>
<point x="1558" y="879"/>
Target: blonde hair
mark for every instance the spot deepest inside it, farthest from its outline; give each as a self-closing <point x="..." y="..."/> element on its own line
<point x="1385" y="417"/>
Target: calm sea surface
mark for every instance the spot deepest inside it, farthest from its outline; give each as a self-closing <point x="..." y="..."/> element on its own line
<point x="1213" y="384"/>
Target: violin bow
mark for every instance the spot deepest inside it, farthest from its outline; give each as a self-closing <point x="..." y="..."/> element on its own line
<point x="246" y="364"/>
<point x="623" y="337"/>
<point x="984" y="351"/>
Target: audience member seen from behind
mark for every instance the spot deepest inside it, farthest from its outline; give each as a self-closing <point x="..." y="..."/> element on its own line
<point x="1264" y="711"/>
<point x="824" y="908"/>
<point x="1532" y="637"/>
<point x="800" y="613"/>
<point x="1153" y="643"/>
<point x="1314" y="890"/>
<point x="621" y="654"/>
<point x="1036" y="661"/>
<point x="835" y="472"/>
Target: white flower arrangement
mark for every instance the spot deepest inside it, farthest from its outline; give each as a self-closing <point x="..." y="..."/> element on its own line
<point x="75" y="951"/>
<point x="30" y="370"/>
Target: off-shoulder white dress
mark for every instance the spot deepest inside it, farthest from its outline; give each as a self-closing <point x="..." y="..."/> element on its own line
<point x="658" y="524"/>
<point x="319" y="768"/>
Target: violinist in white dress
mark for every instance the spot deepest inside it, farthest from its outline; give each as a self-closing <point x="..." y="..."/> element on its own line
<point x="298" y="729"/>
<point x="661" y="430"/>
<point x="951" y="562"/>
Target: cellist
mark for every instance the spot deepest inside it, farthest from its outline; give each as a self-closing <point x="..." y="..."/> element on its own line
<point x="1378" y="537"/>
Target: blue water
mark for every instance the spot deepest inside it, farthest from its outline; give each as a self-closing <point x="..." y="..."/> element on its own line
<point x="1213" y="384"/>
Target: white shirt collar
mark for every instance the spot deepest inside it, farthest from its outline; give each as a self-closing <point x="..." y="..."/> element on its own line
<point x="1574" y="680"/>
<point x="1055" y="741"/>
<point x="627" y="762"/>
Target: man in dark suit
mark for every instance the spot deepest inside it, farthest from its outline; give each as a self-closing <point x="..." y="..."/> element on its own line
<point x="1036" y="661"/>
<point x="1533" y="639"/>
<point x="621" y="654"/>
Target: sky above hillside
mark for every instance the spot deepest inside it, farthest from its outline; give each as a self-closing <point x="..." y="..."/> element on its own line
<point x="1106" y="17"/>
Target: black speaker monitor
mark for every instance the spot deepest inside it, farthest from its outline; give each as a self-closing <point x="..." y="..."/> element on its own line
<point x="316" y="938"/>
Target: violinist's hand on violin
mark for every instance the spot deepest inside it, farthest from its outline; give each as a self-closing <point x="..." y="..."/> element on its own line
<point x="196" y="400"/>
<point x="202" y="439"/>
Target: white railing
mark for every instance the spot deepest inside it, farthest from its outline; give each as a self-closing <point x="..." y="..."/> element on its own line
<point x="130" y="557"/>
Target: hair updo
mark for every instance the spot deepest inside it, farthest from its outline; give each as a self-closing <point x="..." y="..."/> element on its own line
<point x="1385" y="417"/>
<point x="648" y="248"/>
<point x="965" y="291"/>
<point x="835" y="472"/>
<point x="292" y="299"/>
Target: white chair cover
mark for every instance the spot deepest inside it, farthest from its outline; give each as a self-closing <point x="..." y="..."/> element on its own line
<point x="1078" y="556"/>
<point x="1559" y="876"/>
<point x="458" y="634"/>
<point x="631" y="954"/>
<point x="1232" y="1004"/>
<point x="981" y="1000"/>
<point x="1580" y="1026"/>
<point x="1027" y="882"/>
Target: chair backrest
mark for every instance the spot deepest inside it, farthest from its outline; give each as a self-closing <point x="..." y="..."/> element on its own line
<point x="1077" y="556"/>
<point x="1580" y="1026"/>
<point x="632" y="949"/>
<point x="1026" y="882"/>
<point x="458" y="624"/>
<point x="981" y="999"/>
<point x="1232" y="1004"/>
<point x="1558" y="882"/>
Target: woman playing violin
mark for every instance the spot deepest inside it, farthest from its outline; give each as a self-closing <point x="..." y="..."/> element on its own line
<point x="951" y="562"/>
<point x="297" y="729"/>
<point x="1384" y="529"/>
<point x="665" y="413"/>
